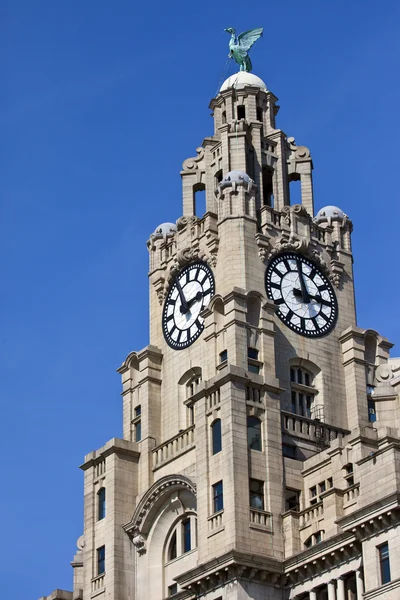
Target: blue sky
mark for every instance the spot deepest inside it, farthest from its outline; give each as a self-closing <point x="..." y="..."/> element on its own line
<point x="100" y="104"/>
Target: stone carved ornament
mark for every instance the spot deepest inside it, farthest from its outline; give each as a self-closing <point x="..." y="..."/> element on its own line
<point x="191" y="164"/>
<point x="300" y="152"/>
<point x="164" y="486"/>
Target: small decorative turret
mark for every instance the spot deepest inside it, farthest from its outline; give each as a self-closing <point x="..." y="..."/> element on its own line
<point x="328" y="214"/>
<point x="233" y="179"/>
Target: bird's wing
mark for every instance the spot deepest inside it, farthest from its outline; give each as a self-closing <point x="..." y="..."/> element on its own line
<point x="248" y="38"/>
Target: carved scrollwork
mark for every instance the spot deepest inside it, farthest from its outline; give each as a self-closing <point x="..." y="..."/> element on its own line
<point x="300" y="152"/>
<point x="139" y="541"/>
<point x="383" y="373"/>
<point x="182" y="258"/>
<point x="182" y="222"/>
<point x="191" y="164"/>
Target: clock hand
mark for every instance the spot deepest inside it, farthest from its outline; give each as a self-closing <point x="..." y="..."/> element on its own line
<point x="184" y="305"/>
<point x="196" y="298"/>
<point x="304" y="292"/>
<point x="298" y="294"/>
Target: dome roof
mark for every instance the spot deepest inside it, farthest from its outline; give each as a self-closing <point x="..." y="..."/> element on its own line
<point x="164" y="230"/>
<point x="329" y="214"/>
<point x="241" y="80"/>
<point x="235" y="178"/>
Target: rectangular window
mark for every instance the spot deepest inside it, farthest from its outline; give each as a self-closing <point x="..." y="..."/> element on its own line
<point x="313" y="495"/>
<point x="138" y="431"/>
<point x="256" y="494"/>
<point x="253" y="368"/>
<point x="371" y="411"/>
<point x="223" y="356"/>
<point x="218" y="496"/>
<point x="292" y="499"/>
<point x="294" y="402"/>
<point x="292" y="375"/>
<point x="322" y="487"/>
<point x="138" y="411"/>
<point x="330" y="482"/>
<point x="101" y="560"/>
<point x="186" y="536"/>
<point x="172" y="589"/>
<point x="241" y="112"/>
<point x="384" y="562"/>
<point x="252" y="353"/>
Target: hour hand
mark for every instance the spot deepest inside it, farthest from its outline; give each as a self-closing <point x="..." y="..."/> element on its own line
<point x="298" y="293"/>
<point x="195" y="299"/>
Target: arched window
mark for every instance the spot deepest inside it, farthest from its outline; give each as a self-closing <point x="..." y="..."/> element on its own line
<point x="101" y="503"/>
<point x="254" y="433"/>
<point x="216" y="436"/>
<point x="268" y="188"/>
<point x="182" y="538"/>
<point x="199" y="199"/>
<point x="295" y="189"/>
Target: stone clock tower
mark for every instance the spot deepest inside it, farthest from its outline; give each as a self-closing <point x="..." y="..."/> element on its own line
<point x="260" y="456"/>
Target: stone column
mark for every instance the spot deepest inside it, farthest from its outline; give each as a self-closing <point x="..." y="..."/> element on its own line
<point x="331" y="591"/>
<point x="341" y="593"/>
<point x="360" y="584"/>
<point x="313" y="595"/>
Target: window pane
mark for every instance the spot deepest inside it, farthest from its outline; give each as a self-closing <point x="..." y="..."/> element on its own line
<point x="253" y="368"/>
<point x="172" y="552"/>
<point x="292" y="375"/>
<point x="216" y="437"/>
<point x="172" y="589"/>
<point x="299" y="376"/>
<point x="385" y="564"/>
<point x="101" y="557"/>
<point x="254" y="433"/>
<point x="306" y="378"/>
<point x="218" y="499"/>
<point x="138" y="431"/>
<point x="252" y="353"/>
<point x="223" y="356"/>
<point x="138" y="411"/>
<point x="256" y="494"/>
<point x="101" y="503"/>
<point x="186" y="536"/>
<point x="293" y="402"/>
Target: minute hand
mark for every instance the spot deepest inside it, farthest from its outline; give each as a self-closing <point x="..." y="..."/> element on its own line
<point x="304" y="293"/>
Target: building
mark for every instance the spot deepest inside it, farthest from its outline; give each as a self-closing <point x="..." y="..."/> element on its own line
<point x="260" y="455"/>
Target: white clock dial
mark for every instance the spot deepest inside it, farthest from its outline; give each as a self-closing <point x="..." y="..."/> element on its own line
<point x="305" y="297"/>
<point x="191" y="291"/>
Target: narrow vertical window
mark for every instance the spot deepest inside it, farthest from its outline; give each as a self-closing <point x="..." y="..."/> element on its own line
<point x="172" y="589"/>
<point x="254" y="433"/>
<point x="101" y="503"/>
<point x="187" y="544"/>
<point x="223" y="356"/>
<point x="241" y="112"/>
<point x="384" y="562"/>
<point x="138" y="431"/>
<point x="172" y="548"/>
<point x="216" y="436"/>
<point x="218" y="497"/>
<point x="101" y="560"/>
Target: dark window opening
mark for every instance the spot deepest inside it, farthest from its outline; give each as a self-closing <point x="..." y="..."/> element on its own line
<point x="216" y="436"/>
<point x="172" y="550"/>
<point x="259" y="114"/>
<point x="295" y="190"/>
<point x="218" y="177"/>
<point x="218" y="496"/>
<point x="101" y="560"/>
<point x="256" y="494"/>
<point x="172" y="589"/>
<point x="292" y="500"/>
<point x="384" y="563"/>
<point x="268" y="189"/>
<point x="138" y="431"/>
<point x="241" y="112"/>
<point x="138" y="411"/>
<point x="101" y="497"/>
<point x="254" y="433"/>
<point x="187" y="544"/>
<point x="223" y="356"/>
<point x="224" y="117"/>
<point x="252" y="353"/>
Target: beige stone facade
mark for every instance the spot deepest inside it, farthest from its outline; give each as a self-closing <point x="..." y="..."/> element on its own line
<point x="255" y="463"/>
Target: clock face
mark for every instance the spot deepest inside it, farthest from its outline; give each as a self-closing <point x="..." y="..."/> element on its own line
<point x="191" y="291"/>
<point x="304" y="296"/>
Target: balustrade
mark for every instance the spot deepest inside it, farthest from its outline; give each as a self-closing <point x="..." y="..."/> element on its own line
<point x="166" y="451"/>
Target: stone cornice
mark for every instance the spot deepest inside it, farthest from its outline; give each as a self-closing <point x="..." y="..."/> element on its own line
<point x="230" y="566"/>
<point x="355" y="521"/>
<point x="114" y="446"/>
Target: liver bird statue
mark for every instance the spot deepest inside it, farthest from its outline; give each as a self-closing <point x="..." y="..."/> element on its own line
<point x="239" y="46"/>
